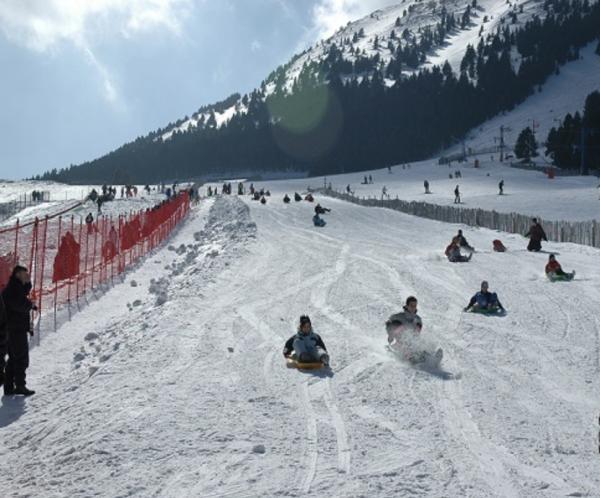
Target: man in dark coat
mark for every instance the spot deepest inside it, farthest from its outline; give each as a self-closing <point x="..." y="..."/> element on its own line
<point x="3" y="340"/>
<point x="18" y="326"/>
<point x="536" y="234"/>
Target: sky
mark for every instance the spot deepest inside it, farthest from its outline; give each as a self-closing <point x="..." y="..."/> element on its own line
<point x="79" y="78"/>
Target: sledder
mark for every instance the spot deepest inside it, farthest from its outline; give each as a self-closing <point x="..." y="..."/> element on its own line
<point x="485" y="301"/>
<point x="453" y="253"/>
<point x="554" y="271"/>
<point x="404" y="335"/>
<point x="306" y="349"/>
<point x="318" y="221"/>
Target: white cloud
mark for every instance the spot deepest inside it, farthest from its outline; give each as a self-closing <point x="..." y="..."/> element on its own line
<point x="330" y="15"/>
<point x="42" y="25"/>
<point x="255" y="46"/>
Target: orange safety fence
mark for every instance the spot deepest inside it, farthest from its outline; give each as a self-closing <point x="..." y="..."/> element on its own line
<point x="68" y="258"/>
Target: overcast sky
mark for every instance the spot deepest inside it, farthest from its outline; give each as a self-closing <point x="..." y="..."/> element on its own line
<point x="78" y="78"/>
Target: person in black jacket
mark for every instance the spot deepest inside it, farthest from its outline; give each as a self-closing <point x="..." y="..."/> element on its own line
<point x="18" y="325"/>
<point x="306" y="345"/>
<point x="3" y="340"/>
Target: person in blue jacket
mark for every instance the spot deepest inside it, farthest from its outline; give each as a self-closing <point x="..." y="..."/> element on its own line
<point x="484" y="300"/>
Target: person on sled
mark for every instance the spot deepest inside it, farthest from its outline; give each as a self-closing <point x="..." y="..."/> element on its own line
<point x="321" y="210"/>
<point x="454" y="255"/>
<point x="305" y="345"/>
<point x="404" y="336"/>
<point x="462" y="241"/>
<point x="484" y="300"/>
<point x="318" y="221"/>
<point x="554" y="271"/>
<point x="405" y="322"/>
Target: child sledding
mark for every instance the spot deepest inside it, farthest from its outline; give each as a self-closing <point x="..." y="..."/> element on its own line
<point x="305" y="349"/>
<point x="554" y="271"/>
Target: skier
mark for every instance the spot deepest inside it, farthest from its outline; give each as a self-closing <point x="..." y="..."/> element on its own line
<point x="555" y="272"/>
<point x="309" y="197"/>
<point x="426" y="185"/>
<point x="286" y="199"/>
<point x="297" y="197"/>
<point x="484" y="300"/>
<point x="404" y="328"/>
<point x="348" y="190"/>
<point x="536" y="234"/>
<point x="370" y="179"/>
<point x="306" y="345"/>
<point x="501" y="187"/>
<point x="263" y="200"/>
<point x="453" y="253"/>
<point x="318" y="221"/>
<point x="384" y="193"/>
<point x="462" y="241"/>
<point x="18" y="325"/>
<point x="456" y="195"/>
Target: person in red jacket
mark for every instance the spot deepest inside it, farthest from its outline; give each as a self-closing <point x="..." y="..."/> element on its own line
<point x="553" y="269"/>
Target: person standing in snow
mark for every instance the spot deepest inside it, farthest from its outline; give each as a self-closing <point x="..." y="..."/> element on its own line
<point x="3" y="340"/>
<point x="484" y="300"/>
<point x="426" y="185"/>
<point x="18" y="326"/>
<point x="306" y="345"/>
<point x="536" y="234"/>
<point x="501" y="187"/>
<point x="456" y="195"/>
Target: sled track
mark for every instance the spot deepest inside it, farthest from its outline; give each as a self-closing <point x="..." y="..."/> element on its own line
<point x="312" y="453"/>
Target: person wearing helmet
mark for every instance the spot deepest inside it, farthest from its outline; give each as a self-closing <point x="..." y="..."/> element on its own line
<point x="306" y="345"/>
<point x="484" y="300"/>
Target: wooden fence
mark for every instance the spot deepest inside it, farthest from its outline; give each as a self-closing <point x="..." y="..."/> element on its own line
<point x="579" y="232"/>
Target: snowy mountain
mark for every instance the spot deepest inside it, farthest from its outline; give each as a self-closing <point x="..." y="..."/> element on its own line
<point x="402" y="84"/>
<point x="379" y="35"/>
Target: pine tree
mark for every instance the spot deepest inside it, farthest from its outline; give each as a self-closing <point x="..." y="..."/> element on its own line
<point x="526" y="146"/>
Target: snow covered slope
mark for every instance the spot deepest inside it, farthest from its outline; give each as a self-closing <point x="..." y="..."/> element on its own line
<point x="560" y="94"/>
<point x="173" y="383"/>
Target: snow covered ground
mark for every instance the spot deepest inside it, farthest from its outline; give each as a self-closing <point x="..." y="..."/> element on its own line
<point x="526" y="192"/>
<point x="173" y="383"/>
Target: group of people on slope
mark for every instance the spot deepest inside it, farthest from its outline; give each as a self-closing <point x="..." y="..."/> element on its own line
<point x="306" y="346"/>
